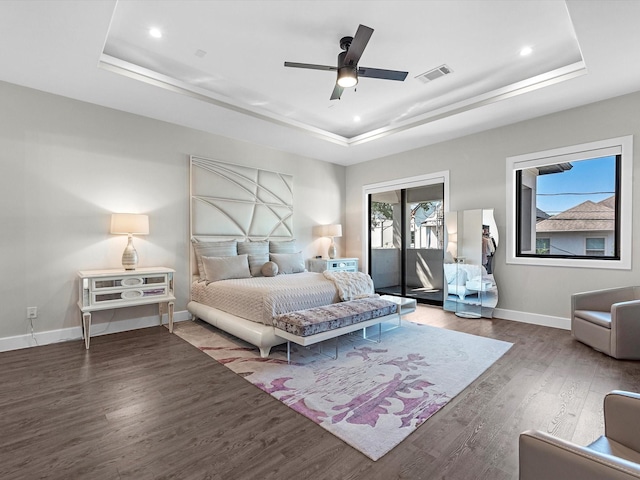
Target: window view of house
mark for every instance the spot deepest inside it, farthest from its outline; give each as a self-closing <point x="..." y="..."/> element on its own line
<point x="381" y="225"/>
<point x="569" y="209"/>
<point x="426" y="224"/>
<point x="543" y="246"/>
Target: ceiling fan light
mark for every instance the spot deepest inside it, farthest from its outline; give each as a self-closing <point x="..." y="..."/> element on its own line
<point x="347" y="77"/>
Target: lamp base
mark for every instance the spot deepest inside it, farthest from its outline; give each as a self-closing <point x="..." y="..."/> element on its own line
<point x="130" y="256"/>
<point x="333" y="251"/>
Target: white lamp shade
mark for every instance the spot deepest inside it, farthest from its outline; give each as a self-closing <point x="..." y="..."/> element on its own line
<point x="333" y="230"/>
<point x="129" y="223"/>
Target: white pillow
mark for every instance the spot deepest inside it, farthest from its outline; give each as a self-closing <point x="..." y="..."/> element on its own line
<point x="460" y="278"/>
<point x="450" y="271"/>
<point x="223" y="268"/>
<point x="288" y="262"/>
<point x="455" y="274"/>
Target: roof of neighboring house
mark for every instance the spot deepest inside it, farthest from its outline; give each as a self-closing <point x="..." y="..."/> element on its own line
<point x="541" y="214"/>
<point x="609" y="202"/>
<point x="588" y="216"/>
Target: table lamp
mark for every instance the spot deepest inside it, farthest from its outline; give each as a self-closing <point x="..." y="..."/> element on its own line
<point x="332" y="231"/>
<point x="129" y="224"/>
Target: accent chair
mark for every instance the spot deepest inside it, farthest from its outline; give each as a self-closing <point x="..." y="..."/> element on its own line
<point x="608" y="321"/>
<point x="615" y="455"/>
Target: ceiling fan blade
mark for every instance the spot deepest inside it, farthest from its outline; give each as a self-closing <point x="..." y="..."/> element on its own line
<point x="337" y="92"/>
<point x="310" y="66"/>
<point x="358" y="44"/>
<point x="383" y="74"/>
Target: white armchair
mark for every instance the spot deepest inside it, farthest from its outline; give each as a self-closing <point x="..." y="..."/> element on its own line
<point x="608" y="321"/>
<point x="613" y="456"/>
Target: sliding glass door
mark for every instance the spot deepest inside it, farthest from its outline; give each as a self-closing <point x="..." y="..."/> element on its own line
<point x="406" y="235"/>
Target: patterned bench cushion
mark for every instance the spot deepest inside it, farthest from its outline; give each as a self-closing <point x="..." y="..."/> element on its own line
<point x="330" y="317"/>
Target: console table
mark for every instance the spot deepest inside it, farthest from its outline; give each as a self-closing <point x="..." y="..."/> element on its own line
<point x="118" y="288"/>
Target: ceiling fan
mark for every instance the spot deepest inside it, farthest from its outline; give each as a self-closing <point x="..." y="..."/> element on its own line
<point x="348" y="70"/>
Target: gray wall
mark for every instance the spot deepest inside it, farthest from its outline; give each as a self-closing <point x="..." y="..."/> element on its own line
<point x="477" y="165"/>
<point x="66" y="165"/>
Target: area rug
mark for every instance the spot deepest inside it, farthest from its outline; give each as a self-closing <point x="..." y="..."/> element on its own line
<point x="375" y="394"/>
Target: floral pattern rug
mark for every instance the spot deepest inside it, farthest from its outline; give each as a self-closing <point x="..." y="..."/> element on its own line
<point x="375" y="394"/>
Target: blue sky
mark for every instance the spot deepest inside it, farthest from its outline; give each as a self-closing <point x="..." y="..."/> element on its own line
<point x="585" y="178"/>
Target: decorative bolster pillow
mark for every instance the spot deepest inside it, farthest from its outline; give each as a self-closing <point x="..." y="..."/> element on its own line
<point x="269" y="269"/>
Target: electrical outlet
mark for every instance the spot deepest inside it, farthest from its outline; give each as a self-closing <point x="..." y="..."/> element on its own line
<point x="32" y="312"/>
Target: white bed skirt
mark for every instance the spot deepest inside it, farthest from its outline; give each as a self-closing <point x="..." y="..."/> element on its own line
<point x="262" y="336"/>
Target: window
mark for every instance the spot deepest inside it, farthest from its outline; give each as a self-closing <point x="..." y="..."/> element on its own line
<point x="571" y="206"/>
<point x="569" y="202"/>
<point x="594" y="247"/>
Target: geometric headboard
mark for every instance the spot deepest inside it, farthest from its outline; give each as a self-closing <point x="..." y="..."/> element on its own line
<point x="230" y="200"/>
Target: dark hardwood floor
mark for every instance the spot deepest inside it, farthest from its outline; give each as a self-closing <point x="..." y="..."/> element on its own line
<point x="147" y="405"/>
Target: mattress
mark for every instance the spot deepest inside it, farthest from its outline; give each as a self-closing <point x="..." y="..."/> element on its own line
<point x="259" y="299"/>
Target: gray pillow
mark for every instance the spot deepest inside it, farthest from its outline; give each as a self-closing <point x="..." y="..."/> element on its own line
<point x="286" y="246"/>
<point x="256" y="262"/>
<point x="226" y="248"/>
<point x="258" y="252"/>
<point x="288" y="262"/>
<point x="259" y="247"/>
<point x="270" y="269"/>
<point x="223" y="268"/>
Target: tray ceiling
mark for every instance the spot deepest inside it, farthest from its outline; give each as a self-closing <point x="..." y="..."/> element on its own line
<point x="219" y="65"/>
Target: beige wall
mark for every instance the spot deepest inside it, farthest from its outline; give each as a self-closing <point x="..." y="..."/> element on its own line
<point x="477" y="165"/>
<point x="66" y="165"/>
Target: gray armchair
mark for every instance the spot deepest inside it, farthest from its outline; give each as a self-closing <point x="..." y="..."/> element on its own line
<point x="608" y="321"/>
<point x="615" y="455"/>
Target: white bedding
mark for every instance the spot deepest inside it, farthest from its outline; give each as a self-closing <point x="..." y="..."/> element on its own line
<point x="259" y="299"/>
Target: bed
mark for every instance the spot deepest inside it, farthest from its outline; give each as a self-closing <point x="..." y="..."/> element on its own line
<point x="246" y="266"/>
<point x="245" y="307"/>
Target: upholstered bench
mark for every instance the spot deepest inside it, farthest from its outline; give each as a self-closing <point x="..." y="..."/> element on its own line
<point x="313" y="325"/>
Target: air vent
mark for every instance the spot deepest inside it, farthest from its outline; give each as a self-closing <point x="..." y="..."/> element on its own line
<point x="431" y="75"/>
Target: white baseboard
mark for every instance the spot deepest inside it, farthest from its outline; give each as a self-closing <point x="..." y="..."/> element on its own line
<point x="534" y="318"/>
<point x="75" y="333"/>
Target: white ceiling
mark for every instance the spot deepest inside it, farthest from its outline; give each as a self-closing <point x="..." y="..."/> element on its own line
<point x="219" y="65"/>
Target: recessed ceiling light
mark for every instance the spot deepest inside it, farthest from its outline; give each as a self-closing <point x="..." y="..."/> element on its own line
<point x="526" y="51"/>
<point x="356" y="118"/>
<point x="155" y="32"/>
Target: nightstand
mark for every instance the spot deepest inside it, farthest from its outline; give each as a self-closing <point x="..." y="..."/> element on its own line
<point x="117" y="288"/>
<point x="332" y="264"/>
